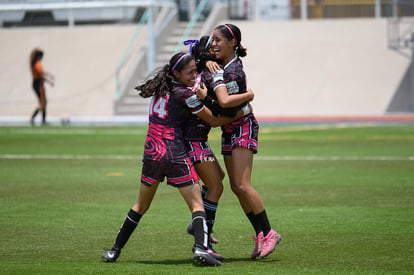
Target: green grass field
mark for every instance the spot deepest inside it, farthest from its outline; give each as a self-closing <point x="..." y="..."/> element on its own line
<point x="341" y="197"/>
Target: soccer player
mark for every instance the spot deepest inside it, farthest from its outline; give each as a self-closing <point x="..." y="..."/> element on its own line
<point x="196" y="136"/>
<point x="240" y="138"/>
<point x="39" y="78"/>
<point x="165" y="154"/>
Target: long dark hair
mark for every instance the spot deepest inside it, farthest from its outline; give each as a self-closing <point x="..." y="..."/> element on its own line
<point x="159" y="83"/>
<point x="231" y="31"/>
<point x="200" y="50"/>
<point x="35" y="55"/>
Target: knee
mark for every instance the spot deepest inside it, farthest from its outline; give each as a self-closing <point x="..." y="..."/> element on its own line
<point x="239" y="188"/>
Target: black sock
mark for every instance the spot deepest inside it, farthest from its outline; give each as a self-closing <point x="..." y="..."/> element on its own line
<point x="44" y="116"/>
<point x="264" y="222"/>
<point x="200" y="229"/>
<point x="254" y="222"/>
<point x="211" y="208"/>
<point x="204" y="191"/>
<point x="35" y="114"/>
<point x="128" y="226"/>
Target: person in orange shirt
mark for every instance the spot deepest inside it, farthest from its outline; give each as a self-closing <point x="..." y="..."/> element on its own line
<point x="39" y="78"/>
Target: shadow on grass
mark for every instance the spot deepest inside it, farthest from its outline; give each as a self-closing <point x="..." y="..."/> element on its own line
<point x="186" y="261"/>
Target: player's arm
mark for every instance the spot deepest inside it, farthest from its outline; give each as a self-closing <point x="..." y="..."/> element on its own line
<point x="215" y="121"/>
<point x="47" y="77"/>
<point x="215" y="106"/>
<point x="225" y="100"/>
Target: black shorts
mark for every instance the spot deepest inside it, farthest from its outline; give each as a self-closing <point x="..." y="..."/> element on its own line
<point x="179" y="173"/>
<point x="38" y="88"/>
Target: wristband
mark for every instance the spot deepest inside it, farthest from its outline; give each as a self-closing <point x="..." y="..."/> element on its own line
<point x="218" y="76"/>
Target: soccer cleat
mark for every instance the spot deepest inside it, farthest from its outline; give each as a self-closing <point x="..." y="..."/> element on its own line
<point x="269" y="243"/>
<point x="111" y="255"/>
<point x="214" y="253"/>
<point x="257" y="246"/>
<point x="190" y="231"/>
<point x="202" y="257"/>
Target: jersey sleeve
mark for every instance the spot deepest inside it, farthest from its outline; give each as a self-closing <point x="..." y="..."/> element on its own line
<point x="192" y="101"/>
<point x="218" y="79"/>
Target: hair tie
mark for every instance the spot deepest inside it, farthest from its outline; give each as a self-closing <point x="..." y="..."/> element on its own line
<point x="225" y="25"/>
<point x="178" y="61"/>
<point x="191" y="42"/>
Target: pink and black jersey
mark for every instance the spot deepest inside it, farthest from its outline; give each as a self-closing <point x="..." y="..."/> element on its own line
<point x="167" y="114"/>
<point x="244" y="131"/>
<point x="232" y="76"/>
<point x="196" y="129"/>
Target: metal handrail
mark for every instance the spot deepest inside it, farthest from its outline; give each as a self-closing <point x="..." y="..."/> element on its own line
<point x="127" y="51"/>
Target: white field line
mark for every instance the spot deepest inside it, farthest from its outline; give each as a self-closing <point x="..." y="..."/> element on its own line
<point x="265" y="158"/>
<point x="135" y="131"/>
<point x="83" y="132"/>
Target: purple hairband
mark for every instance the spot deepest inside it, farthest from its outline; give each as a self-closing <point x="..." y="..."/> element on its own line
<point x="191" y="42"/>
<point x="178" y="61"/>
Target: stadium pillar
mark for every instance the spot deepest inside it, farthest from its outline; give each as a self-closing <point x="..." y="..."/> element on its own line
<point x="151" y="43"/>
<point x="191" y="8"/>
<point x="377" y="9"/>
<point x="71" y="20"/>
<point x="303" y="9"/>
<point x="394" y="9"/>
<point x="257" y="10"/>
<point x="412" y="71"/>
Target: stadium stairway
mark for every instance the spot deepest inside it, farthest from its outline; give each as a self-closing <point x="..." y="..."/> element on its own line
<point x="129" y="103"/>
<point x="296" y="68"/>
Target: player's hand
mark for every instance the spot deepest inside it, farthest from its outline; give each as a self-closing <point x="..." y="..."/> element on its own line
<point x="212" y="66"/>
<point x="201" y="91"/>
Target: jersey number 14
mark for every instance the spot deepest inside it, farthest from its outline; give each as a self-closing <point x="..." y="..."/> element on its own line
<point x="158" y="106"/>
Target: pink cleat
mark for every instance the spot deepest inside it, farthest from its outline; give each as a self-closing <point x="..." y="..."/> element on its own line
<point x="258" y="245"/>
<point x="269" y="243"/>
<point x="213" y="252"/>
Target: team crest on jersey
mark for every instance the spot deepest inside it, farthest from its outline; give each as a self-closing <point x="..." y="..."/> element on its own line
<point x="192" y="101"/>
<point x="232" y="87"/>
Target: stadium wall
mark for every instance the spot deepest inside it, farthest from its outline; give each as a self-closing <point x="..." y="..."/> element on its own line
<point x="296" y="68"/>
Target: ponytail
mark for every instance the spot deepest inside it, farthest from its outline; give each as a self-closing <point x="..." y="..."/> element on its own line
<point x="160" y="82"/>
<point x="157" y="83"/>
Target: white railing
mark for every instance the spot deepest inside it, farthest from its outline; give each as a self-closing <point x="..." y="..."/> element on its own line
<point x="71" y="10"/>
